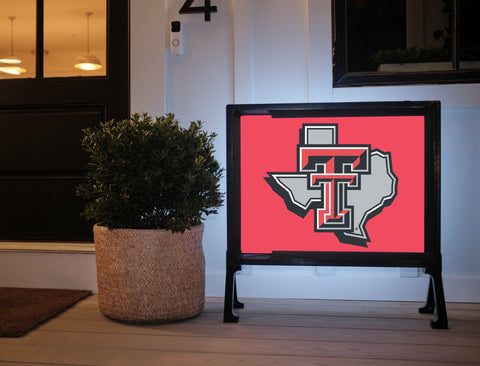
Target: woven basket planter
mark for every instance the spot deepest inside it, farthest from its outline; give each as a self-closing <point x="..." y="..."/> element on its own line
<point x="150" y="275"/>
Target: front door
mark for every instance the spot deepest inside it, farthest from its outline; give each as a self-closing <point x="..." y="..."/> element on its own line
<point x="47" y="100"/>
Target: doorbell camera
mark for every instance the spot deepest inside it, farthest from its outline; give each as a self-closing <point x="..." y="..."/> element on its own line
<point x="176" y="38"/>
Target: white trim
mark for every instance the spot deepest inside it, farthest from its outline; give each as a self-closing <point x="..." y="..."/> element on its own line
<point x="148" y="42"/>
<point x="43" y="247"/>
<point x="242" y="58"/>
<point x="319" y="35"/>
<point x="72" y="270"/>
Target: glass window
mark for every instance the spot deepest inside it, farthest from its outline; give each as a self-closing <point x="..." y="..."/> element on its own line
<point x="17" y="39"/>
<point x="75" y="38"/>
<point x="411" y="40"/>
<point x="383" y="42"/>
<point x="469" y="34"/>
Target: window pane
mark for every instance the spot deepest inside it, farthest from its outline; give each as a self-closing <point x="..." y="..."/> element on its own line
<point x="17" y="39"/>
<point x="469" y="34"/>
<point x="399" y="35"/>
<point x="74" y="31"/>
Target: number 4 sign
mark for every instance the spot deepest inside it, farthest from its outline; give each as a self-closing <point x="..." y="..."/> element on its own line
<point x="207" y="9"/>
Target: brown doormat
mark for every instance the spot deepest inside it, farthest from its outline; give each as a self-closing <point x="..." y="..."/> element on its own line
<point x="22" y="309"/>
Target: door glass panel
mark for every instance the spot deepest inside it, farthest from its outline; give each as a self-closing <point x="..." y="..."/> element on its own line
<point x="75" y="36"/>
<point x="469" y="38"/>
<point x="17" y="39"/>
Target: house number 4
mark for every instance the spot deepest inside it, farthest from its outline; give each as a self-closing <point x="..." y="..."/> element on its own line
<point x="206" y="9"/>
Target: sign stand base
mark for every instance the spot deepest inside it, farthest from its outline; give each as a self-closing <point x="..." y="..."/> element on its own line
<point x="231" y="299"/>
<point x="435" y="299"/>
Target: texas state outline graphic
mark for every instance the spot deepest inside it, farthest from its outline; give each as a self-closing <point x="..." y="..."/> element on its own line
<point x="346" y="185"/>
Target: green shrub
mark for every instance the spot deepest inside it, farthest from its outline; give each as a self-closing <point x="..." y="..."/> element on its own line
<point x="150" y="174"/>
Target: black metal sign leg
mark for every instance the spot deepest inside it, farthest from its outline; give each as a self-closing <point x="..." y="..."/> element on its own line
<point x="440" y="321"/>
<point x="429" y="307"/>
<point x="229" y="316"/>
<point x="436" y="301"/>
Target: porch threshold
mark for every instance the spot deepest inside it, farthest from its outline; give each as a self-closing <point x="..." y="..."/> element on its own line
<point x="47" y="247"/>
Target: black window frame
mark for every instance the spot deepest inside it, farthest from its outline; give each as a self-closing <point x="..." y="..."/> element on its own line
<point x="343" y="78"/>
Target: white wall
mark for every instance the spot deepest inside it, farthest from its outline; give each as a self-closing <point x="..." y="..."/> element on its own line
<point x="256" y="51"/>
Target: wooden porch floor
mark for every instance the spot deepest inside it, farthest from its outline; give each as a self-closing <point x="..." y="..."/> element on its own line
<point x="270" y="332"/>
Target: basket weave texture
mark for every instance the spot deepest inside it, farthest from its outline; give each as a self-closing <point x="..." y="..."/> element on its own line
<point x="150" y="275"/>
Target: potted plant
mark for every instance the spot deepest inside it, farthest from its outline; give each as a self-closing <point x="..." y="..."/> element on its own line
<point x="150" y="183"/>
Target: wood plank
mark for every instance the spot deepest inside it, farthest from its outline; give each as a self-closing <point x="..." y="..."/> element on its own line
<point x="347" y="320"/>
<point x="409" y="311"/>
<point x="345" y="303"/>
<point x="289" y="304"/>
<point x="462" y="311"/>
<point x="235" y="331"/>
<point x="147" y="357"/>
<point x="68" y="347"/>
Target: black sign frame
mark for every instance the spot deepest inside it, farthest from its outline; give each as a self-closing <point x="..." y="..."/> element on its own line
<point x="430" y="259"/>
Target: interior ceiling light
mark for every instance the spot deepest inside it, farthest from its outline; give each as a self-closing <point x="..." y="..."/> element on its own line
<point x="88" y="61"/>
<point x="12" y="70"/>
<point x="11" y="61"/>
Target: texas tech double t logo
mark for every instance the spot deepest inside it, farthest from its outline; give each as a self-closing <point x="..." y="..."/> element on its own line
<point x="345" y="185"/>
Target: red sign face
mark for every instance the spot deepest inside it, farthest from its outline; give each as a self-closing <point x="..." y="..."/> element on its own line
<point x="337" y="184"/>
